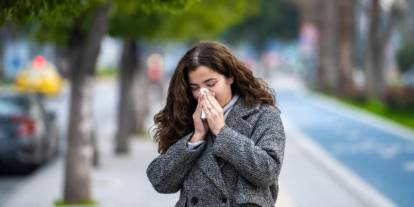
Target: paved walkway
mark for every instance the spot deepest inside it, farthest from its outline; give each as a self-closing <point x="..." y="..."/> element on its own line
<point x="119" y="181"/>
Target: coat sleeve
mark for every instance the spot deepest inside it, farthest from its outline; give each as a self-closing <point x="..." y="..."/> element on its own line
<point x="259" y="162"/>
<point x="168" y="171"/>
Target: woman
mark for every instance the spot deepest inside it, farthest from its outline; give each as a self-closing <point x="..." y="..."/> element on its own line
<point x="234" y="156"/>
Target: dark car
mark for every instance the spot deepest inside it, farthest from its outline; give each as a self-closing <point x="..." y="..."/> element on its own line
<point x="28" y="133"/>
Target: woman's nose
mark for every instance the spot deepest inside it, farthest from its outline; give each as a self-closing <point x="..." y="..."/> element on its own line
<point x="200" y="91"/>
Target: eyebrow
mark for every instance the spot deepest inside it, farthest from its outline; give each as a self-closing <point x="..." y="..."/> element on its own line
<point x="204" y="81"/>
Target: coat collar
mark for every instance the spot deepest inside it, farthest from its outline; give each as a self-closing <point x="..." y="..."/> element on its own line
<point x="235" y="120"/>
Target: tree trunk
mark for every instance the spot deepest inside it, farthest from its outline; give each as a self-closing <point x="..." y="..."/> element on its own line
<point x="345" y="57"/>
<point x="62" y="62"/>
<point x="377" y="39"/>
<point x="140" y="107"/>
<point x="133" y="107"/>
<point x="2" y="47"/>
<point x="374" y="70"/>
<point x="408" y="23"/>
<point x="4" y="36"/>
<point x="126" y="81"/>
<point x="309" y="26"/>
<point x="327" y="23"/>
<point x="79" y="150"/>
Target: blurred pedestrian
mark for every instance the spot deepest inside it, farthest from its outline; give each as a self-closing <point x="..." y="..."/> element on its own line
<point x="233" y="157"/>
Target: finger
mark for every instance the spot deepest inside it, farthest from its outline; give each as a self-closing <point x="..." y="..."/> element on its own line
<point x="207" y="110"/>
<point x="200" y="101"/>
<point x="208" y="105"/>
<point x="197" y="111"/>
<point x="204" y="106"/>
<point x="213" y="103"/>
<point x="198" y="108"/>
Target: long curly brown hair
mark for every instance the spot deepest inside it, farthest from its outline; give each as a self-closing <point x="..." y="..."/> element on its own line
<point x="175" y="120"/>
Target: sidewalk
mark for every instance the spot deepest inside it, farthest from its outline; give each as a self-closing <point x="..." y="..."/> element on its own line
<point x="128" y="175"/>
<point x="119" y="181"/>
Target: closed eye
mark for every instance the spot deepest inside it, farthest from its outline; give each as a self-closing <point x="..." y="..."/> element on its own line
<point x="211" y="84"/>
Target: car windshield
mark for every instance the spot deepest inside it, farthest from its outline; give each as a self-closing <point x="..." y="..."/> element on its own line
<point x="13" y="105"/>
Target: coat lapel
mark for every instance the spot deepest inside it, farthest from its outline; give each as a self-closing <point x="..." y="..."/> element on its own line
<point x="207" y="162"/>
<point x="236" y="121"/>
<point x="210" y="167"/>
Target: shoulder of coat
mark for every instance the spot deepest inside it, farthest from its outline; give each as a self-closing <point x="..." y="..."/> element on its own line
<point x="269" y="108"/>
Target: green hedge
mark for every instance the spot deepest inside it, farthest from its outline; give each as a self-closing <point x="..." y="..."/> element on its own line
<point x="405" y="57"/>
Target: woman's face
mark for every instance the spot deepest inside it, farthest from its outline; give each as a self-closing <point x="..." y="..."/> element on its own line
<point x="204" y="77"/>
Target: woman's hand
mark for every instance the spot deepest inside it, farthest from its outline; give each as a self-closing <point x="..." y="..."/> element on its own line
<point x="200" y="126"/>
<point x="214" y="113"/>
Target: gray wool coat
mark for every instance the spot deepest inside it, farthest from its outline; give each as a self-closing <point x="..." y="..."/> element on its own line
<point x="238" y="167"/>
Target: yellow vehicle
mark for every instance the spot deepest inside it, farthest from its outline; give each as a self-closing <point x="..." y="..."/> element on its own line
<point x="39" y="76"/>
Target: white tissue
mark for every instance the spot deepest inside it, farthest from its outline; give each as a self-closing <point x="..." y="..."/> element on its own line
<point x="203" y="91"/>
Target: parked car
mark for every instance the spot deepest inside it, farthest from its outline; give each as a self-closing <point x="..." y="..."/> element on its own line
<point x="28" y="133"/>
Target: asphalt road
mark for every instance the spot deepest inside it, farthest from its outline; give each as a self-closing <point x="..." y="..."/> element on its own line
<point x="380" y="154"/>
